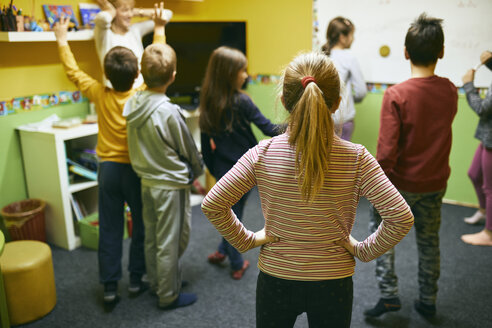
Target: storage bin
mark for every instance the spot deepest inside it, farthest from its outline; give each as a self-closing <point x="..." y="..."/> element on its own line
<point x="89" y="231"/>
<point x="25" y="219"/>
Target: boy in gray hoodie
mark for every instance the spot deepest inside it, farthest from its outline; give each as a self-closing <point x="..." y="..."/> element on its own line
<point x="165" y="157"/>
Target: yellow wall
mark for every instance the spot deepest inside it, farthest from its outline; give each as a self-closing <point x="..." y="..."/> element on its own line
<point x="276" y="31"/>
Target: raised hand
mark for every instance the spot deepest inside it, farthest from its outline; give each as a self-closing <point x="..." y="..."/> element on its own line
<point x="158" y="15"/>
<point x="485" y="56"/>
<point x="469" y="76"/>
<point x="61" y="28"/>
<point x="107" y="6"/>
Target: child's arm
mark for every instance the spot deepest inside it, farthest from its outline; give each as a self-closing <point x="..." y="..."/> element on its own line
<point x="483" y="107"/>
<point x="357" y="80"/>
<point x="395" y="212"/>
<point x="84" y="82"/>
<point x="145" y="27"/>
<point x="106" y="6"/>
<point x="389" y="131"/>
<point x="160" y="22"/>
<point x="177" y="131"/>
<point x="102" y="28"/>
<point x="255" y="116"/>
<point x="217" y="205"/>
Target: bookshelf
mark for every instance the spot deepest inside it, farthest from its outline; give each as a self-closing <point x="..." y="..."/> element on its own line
<point x="44" y="152"/>
<point x="82" y="35"/>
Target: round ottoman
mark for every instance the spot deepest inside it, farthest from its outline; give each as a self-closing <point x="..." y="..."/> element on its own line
<point x="29" y="280"/>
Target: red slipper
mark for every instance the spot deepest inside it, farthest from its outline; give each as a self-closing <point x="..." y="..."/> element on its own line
<point x="238" y="274"/>
<point x="216" y="258"/>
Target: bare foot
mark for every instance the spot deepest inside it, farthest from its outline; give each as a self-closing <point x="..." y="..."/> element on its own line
<point x="477" y="217"/>
<point x="482" y="238"/>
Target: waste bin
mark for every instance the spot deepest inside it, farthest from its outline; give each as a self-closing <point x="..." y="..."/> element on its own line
<point x="25" y="219"/>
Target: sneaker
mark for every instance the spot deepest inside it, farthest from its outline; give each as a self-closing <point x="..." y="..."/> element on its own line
<point x="478" y="217"/>
<point x="426" y="310"/>
<point x="184" y="299"/>
<point x="238" y="274"/>
<point x="110" y="292"/>
<point x="216" y="258"/>
<point x="137" y="288"/>
<point x="384" y="305"/>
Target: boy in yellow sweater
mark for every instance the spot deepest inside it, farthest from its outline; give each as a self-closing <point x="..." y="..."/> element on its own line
<point x="117" y="180"/>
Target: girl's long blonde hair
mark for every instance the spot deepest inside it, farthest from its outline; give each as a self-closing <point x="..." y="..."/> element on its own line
<point x="311" y="128"/>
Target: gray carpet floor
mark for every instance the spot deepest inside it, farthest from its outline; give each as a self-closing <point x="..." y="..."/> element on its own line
<point x="464" y="298"/>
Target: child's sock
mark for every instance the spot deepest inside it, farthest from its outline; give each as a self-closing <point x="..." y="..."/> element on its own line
<point x="184" y="299"/>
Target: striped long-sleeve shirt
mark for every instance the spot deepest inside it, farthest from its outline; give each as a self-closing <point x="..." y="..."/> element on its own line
<point x="308" y="231"/>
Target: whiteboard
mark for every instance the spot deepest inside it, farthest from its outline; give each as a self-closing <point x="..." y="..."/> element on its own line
<point x="467" y="33"/>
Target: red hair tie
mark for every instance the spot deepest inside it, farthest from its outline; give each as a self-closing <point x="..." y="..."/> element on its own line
<point x="306" y="80"/>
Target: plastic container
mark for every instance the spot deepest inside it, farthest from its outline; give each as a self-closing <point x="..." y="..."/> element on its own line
<point x="25" y="219"/>
<point x="89" y="231"/>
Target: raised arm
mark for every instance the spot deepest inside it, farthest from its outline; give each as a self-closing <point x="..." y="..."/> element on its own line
<point x="108" y="7"/>
<point x="83" y="81"/>
<point x="145" y="27"/>
<point x="160" y="21"/>
<point x="483" y="107"/>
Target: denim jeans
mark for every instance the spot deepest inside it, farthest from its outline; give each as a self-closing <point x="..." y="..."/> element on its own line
<point x="119" y="183"/>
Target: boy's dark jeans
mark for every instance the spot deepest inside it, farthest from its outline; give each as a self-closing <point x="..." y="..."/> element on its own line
<point x="119" y="183"/>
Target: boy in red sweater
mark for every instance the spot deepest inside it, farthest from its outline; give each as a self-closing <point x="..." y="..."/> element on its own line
<point x="413" y="150"/>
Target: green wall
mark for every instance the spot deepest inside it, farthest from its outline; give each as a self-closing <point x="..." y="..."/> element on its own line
<point x="12" y="182"/>
<point x="459" y="190"/>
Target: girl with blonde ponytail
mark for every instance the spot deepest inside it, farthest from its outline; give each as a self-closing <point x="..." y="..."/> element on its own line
<point x="310" y="182"/>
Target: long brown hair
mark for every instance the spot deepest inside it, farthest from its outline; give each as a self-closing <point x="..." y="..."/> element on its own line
<point x="219" y="89"/>
<point x="337" y="26"/>
<point x="311" y="129"/>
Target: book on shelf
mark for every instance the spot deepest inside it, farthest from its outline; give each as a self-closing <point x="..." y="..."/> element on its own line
<point x="88" y="12"/>
<point x="87" y="158"/>
<point x="77" y="210"/>
<point x="78" y="169"/>
<point x="53" y="13"/>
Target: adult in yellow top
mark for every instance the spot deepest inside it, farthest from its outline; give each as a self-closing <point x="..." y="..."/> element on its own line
<point x="117" y="181"/>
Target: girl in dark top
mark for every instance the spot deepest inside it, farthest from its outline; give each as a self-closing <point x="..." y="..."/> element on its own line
<point x="226" y="115"/>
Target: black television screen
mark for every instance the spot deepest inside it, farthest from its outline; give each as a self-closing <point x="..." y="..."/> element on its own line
<point x="194" y="43"/>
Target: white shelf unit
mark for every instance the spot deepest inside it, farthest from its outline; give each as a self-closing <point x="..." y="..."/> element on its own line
<point x="45" y="167"/>
<point x="82" y="35"/>
<point x="44" y="155"/>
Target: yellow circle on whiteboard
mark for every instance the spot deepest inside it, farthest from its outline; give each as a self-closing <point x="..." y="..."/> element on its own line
<point x="384" y="51"/>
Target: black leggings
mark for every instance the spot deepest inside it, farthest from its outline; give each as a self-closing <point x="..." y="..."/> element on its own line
<point x="327" y="303"/>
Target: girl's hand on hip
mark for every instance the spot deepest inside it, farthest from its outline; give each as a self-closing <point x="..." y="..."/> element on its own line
<point x="261" y="238"/>
<point x="349" y="245"/>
